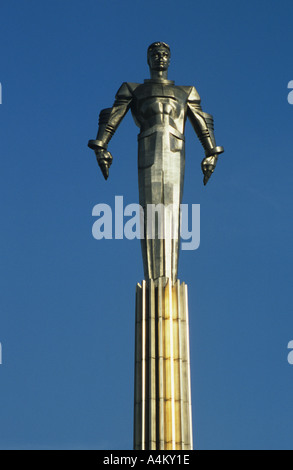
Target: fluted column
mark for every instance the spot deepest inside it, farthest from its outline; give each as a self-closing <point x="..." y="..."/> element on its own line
<point x="162" y="413"/>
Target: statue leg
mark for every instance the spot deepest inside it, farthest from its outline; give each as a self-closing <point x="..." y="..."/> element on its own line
<point x="161" y="185"/>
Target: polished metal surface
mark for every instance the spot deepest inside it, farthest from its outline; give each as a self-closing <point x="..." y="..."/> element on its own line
<point x="162" y="414"/>
<point x="162" y="410"/>
<point x="160" y="109"/>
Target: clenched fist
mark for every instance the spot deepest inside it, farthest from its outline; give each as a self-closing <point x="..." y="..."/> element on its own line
<point x="208" y="166"/>
<point x="104" y="159"/>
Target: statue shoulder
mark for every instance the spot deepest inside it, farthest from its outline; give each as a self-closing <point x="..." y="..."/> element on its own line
<point x="126" y="90"/>
<point x="192" y="94"/>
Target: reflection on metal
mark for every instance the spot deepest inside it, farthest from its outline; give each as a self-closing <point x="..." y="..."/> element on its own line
<point x="160" y="109"/>
<point x="162" y="415"/>
<point x="162" y="378"/>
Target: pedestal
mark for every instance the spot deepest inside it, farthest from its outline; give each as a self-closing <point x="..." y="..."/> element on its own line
<point x="162" y="412"/>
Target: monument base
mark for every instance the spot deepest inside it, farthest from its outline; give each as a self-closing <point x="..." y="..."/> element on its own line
<point x="162" y="412"/>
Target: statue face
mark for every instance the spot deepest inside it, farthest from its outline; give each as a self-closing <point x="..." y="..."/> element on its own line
<point x="159" y="59"/>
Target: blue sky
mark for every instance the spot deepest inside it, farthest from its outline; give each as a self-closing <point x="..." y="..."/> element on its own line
<point x="67" y="300"/>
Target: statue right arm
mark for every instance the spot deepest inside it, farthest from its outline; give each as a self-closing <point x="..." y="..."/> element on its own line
<point x="203" y="125"/>
<point x="109" y="121"/>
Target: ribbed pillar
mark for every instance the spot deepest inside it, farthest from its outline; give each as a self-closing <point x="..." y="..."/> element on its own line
<point x="162" y="412"/>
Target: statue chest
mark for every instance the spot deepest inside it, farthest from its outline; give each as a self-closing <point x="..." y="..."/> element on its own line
<point x="159" y="106"/>
<point x="152" y="101"/>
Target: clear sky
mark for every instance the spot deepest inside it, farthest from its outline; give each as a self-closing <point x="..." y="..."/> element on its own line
<point x="67" y="300"/>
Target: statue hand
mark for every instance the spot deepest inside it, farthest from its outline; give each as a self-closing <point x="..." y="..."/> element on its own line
<point x="208" y="166"/>
<point x="104" y="159"/>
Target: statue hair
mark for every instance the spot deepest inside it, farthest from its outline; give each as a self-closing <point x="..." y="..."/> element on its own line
<point x="158" y="44"/>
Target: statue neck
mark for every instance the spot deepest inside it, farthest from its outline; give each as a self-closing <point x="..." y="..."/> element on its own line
<point x="159" y="74"/>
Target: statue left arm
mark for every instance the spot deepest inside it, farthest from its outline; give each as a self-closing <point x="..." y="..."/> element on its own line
<point x="203" y="125"/>
<point x="109" y="121"/>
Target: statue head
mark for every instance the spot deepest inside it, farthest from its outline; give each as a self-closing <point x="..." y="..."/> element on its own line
<point x="159" y="55"/>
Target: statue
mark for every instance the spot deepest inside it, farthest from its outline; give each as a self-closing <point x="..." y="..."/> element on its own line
<point x="160" y="109"/>
<point x="162" y="399"/>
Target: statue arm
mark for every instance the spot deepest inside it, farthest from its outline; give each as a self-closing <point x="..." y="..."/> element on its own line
<point x="109" y="121"/>
<point x="203" y="125"/>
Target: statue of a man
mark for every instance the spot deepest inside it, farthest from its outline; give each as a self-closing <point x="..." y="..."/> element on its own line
<point x="160" y="109"/>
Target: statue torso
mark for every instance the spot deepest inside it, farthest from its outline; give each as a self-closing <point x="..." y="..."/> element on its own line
<point x="160" y="103"/>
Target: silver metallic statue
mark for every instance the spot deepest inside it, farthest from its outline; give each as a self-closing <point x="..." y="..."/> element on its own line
<point x="160" y="109"/>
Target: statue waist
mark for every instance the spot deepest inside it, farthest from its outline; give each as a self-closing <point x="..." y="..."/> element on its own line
<point x="161" y="129"/>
